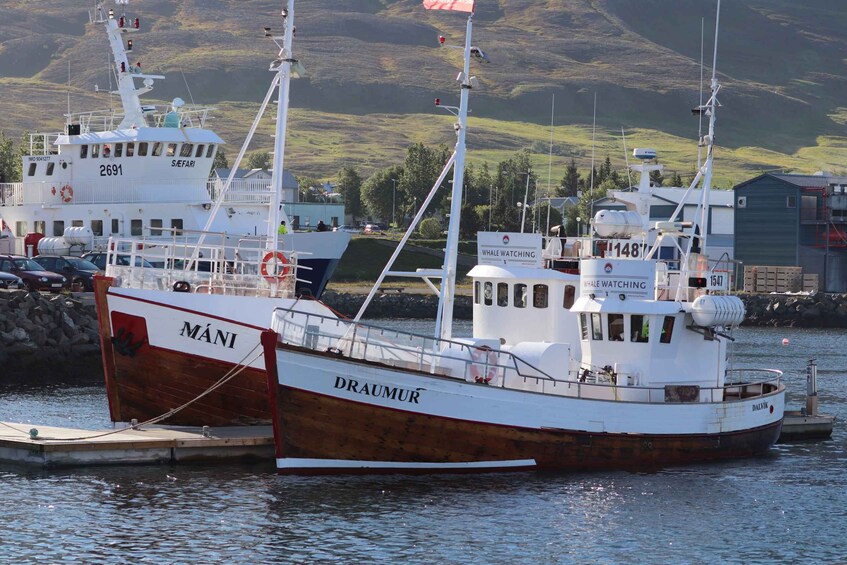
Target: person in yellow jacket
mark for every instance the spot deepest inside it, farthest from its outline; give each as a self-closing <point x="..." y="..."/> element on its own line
<point x="282" y="230"/>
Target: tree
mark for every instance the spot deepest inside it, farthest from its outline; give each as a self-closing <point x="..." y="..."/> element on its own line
<point x="378" y="192"/>
<point x="310" y="189"/>
<point x="349" y="185"/>
<point x="676" y="180"/>
<point x="430" y="228"/>
<point x="417" y="176"/>
<point x="656" y="178"/>
<point x="259" y="160"/>
<point x="10" y="162"/>
<point x="570" y="182"/>
<point x="220" y="161"/>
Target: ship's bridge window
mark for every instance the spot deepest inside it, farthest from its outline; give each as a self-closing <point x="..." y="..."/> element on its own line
<point x="520" y="295"/>
<point x="130" y="149"/>
<point x="176" y="224"/>
<point x="583" y="326"/>
<point x="171" y="149"/>
<point x="640" y="329"/>
<point x="615" y="327"/>
<point x="50" y="167"/>
<point x="570" y="295"/>
<point x="40" y="226"/>
<point x="58" y="228"/>
<point x="95" y="151"/>
<point x="31" y="171"/>
<point x="210" y="151"/>
<point x="83" y="151"/>
<point x="20" y="229"/>
<point x="596" y="327"/>
<point x="76" y="223"/>
<point x="488" y="293"/>
<point x="539" y="295"/>
<point x="97" y="227"/>
<point x="119" y="150"/>
<point x="116" y="226"/>
<point x="142" y="149"/>
<point x="157" y="148"/>
<point x="200" y="148"/>
<point x="667" y="329"/>
<point x="502" y="294"/>
<point x="476" y="297"/>
<point x="107" y="150"/>
<point x="186" y="150"/>
<point x="155" y="228"/>
<point x="135" y="227"/>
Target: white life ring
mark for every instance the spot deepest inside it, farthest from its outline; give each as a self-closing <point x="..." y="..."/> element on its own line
<point x="484" y="364"/>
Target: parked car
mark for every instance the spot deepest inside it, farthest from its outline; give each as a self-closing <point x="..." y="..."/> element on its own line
<point x="99" y="260"/>
<point x="79" y="271"/>
<point x="34" y="276"/>
<point x="348" y="228"/>
<point x="374" y="228"/>
<point x="10" y="281"/>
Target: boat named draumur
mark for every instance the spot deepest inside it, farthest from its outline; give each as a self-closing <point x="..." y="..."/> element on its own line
<point x="578" y="360"/>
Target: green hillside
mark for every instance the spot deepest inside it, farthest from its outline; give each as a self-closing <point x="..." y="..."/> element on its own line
<point x="375" y="66"/>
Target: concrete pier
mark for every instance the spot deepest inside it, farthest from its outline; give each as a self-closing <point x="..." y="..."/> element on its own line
<point x="69" y="447"/>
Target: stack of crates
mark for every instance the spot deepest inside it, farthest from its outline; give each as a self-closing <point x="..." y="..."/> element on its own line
<point x="810" y="283"/>
<point x="774" y="279"/>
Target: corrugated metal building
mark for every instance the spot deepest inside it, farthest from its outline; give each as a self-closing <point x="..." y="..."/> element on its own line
<point x="794" y="220"/>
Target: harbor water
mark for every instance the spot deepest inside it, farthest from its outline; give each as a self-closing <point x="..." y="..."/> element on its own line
<point x="787" y="506"/>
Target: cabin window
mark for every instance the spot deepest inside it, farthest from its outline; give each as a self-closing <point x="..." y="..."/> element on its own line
<point x="186" y="150"/>
<point x="107" y="150"/>
<point x="488" y="293"/>
<point x="583" y="326"/>
<point x="31" y="171"/>
<point x="200" y="148"/>
<point x="20" y="229"/>
<point x="596" y="327"/>
<point x="476" y="298"/>
<point x="58" y="228"/>
<point x="40" y="226"/>
<point x="155" y="228"/>
<point x="50" y="167"/>
<point x="790" y="201"/>
<point x="142" y="149"/>
<point x="176" y="225"/>
<point x="119" y="150"/>
<point x="502" y="294"/>
<point x="539" y="296"/>
<point x="97" y="227"/>
<point x="171" y="149"/>
<point x="130" y="149"/>
<point x="135" y="227"/>
<point x="76" y="223"/>
<point x="83" y="151"/>
<point x="615" y="327"/>
<point x="520" y="295"/>
<point x="667" y="329"/>
<point x="95" y="151"/>
<point x="570" y="296"/>
<point x="210" y="151"/>
<point x="116" y="226"/>
<point x="157" y="148"/>
<point x="640" y="329"/>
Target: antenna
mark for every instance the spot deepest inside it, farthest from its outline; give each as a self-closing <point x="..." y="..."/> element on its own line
<point x="626" y="158"/>
<point x="188" y="88"/>
<point x="549" y="167"/>
<point x="700" y="116"/>
<point x="69" y="91"/>
<point x="591" y="185"/>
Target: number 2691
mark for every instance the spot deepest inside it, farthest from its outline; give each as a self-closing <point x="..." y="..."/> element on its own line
<point x="111" y="170"/>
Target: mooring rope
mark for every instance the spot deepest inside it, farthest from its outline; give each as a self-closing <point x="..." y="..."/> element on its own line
<point x="231" y="374"/>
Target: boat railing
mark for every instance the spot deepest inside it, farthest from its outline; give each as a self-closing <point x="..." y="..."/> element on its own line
<point x="161" y="115"/>
<point x="256" y="191"/>
<point x="176" y="261"/>
<point x="480" y="364"/>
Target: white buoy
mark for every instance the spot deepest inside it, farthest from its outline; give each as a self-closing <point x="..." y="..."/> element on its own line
<point x="785" y="341"/>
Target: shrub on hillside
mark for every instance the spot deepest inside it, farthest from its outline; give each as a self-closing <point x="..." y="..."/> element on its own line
<point x="430" y="228"/>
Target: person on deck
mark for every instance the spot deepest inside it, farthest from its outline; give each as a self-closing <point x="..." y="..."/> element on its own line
<point x="322" y="226"/>
<point x="282" y="230"/>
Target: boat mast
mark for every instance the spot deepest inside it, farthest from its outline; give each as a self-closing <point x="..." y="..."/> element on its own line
<point x="446" y="297"/>
<point x="126" y="73"/>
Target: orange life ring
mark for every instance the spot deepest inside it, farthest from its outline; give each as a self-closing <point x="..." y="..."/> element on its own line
<point x="67" y="193"/>
<point x="483" y="364"/>
<point x="280" y="268"/>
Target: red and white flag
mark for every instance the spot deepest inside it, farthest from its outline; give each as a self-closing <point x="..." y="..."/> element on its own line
<point x="457" y="5"/>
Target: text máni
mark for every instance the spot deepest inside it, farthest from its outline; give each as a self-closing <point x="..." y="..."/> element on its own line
<point x="226" y="339"/>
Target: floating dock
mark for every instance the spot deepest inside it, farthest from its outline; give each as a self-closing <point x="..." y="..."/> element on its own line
<point x="807" y="424"/>
<point x="50" y="447"/>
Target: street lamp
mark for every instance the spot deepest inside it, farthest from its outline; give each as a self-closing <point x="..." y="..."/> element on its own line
<point x="578" y="226"/>
<point x="393" y="201"/>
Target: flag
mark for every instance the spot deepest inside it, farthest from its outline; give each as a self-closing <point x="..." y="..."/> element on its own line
<point x="458" y="5"/>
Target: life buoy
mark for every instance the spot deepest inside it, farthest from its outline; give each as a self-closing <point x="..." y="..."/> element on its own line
<point x="484" y="364"/>
<point x="280" y="269"/>
<point x="67" y="193"/>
